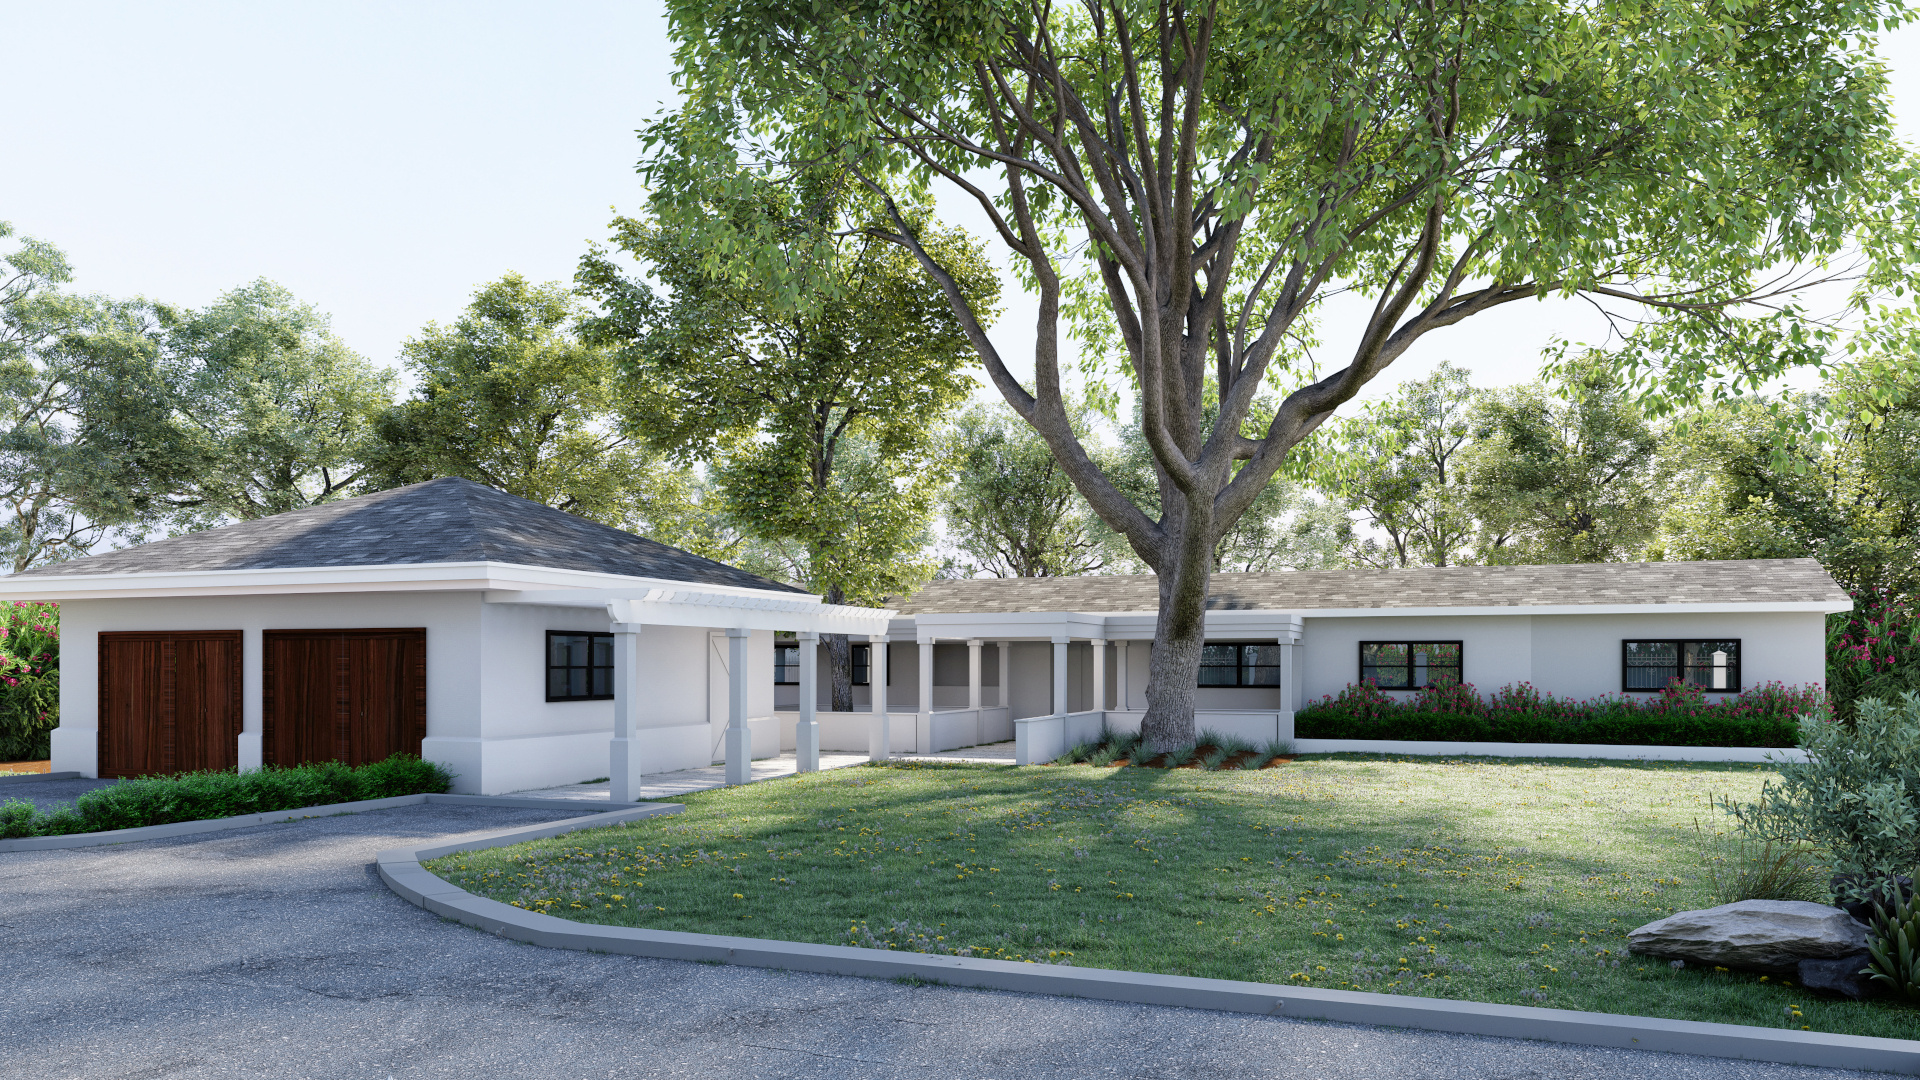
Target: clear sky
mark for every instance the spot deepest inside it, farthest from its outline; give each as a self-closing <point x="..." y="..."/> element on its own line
<point x="382" y="160"/>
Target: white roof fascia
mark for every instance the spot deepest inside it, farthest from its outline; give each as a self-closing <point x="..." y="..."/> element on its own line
<point x="1823" y="607"/>
<point x="394" y="577"/>
<point x="765" y="611"/>
<point x="1008" y="626"/>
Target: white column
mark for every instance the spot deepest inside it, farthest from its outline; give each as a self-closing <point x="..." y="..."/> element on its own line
<point x="1289" y="688"/>
<point x="739" y="738"/>
<point x="251" y="748"/>
<point x="1099" y="675"/>
<point x="623" y="753"/>
<point x="923" y="719"/>
<point x="1060" y="675"/>
<point x="1006" y="677"/>
<point x="879" y="733"/>
<point x="806" y="732"/>
<point x="1120" y="649"/>
<point x="973" y="674"/>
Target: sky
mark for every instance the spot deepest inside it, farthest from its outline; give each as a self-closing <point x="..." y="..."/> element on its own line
<point x="384" y="160"/>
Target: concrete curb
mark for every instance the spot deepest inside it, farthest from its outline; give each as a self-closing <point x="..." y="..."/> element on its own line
<point x="400" y="868"/>
<point x="243" y="821"/>
<point x="1600" y="751"/>
<point x="14" y="777"/>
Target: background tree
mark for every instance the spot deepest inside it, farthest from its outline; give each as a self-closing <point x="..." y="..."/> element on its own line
<point x="1198" y="178"/>
<point x="1397" y="464"/>
<point x="1563" y="478"/>
<point x="812" y="383"/>
<point x="510" y="396"/>
<point x="87" y="444"/>
<point x="276" y="410"/>
<point x="1011" y="511"/>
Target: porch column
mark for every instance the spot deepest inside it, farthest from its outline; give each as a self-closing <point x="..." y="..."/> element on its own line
<point x="1120" y="649"/>
<point x="1006" y="677"/>
<point x="1060" y="674"/>
<point x="623" y="754"/>
<point x="923" y="720"/>
<point x="879" y="734"/>
<point x="739" y="739"/>
<point x="973" y="674"/>
<point x="1289" y="688"/>
<point x="1099" y="674"/>
<point x="806" y="732"/>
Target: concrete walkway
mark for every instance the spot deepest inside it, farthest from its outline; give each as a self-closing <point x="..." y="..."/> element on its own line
<point x="276" y="952"/>
<point x="668" y="785"/>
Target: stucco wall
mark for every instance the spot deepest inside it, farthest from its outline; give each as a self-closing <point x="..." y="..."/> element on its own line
<point x="1574" y="656"/>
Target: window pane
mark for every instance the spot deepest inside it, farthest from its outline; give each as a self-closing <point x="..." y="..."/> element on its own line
<point x="1385" y="663"/>
<point x="603" y="651"/>
<point x="1434" y="663"/>
<point x="577" y="682"/>
<point x="603" y="682"/>
<point x="557" y="646"/>
<point x="577" y="649"/>
<point x="1712" y="665"/>
<point x="1651" y="665"/>
<point x="1219" y="665"/>
<point x="556" y="682"/>
<point x="1386" y="678"/>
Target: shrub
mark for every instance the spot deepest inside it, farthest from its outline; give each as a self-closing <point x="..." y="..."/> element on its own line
<point x="29" y="679"/>
<point x="1678" y="716"/>
<point x="1895" y="945"/>
<point x="199" y="796"/>
<point x="1856" y="797"/>
<point x="1873" y="650"/>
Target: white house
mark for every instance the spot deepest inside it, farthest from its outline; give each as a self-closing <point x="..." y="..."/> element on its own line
<point x="520" y="645"/>
<point x="526" y="647"/>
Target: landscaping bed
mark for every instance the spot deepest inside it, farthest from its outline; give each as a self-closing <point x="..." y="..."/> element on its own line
<point x="1483" y="879"/>
<point x="203" y="796"/>
<point x="1765" y="716"/>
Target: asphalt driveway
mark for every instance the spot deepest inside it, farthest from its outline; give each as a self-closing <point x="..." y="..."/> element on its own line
<point x="276" y="952"/>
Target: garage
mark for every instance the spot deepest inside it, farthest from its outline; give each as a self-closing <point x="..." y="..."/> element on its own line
<point x="343" y="695"/>
<point x="169" y="701"/>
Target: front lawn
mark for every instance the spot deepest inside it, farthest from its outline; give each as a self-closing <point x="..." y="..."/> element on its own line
<point x="1484" y="879"/>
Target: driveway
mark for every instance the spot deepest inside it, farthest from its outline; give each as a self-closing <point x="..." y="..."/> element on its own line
<point x="276" y="952"/>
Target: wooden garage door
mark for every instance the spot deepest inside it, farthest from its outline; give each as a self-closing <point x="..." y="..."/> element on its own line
<point x="344" y="695"/>
<point x="169" y="702"/>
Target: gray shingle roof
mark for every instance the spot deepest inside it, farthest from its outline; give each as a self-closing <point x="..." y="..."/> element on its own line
<point x="1731" y="581"/>
<point x="449" y="520"/>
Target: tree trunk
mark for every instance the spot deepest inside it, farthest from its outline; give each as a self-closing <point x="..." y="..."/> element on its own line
<point x="840" y="670"/>
<point x="839" y="658"/>
<point x="1180" y="629"/>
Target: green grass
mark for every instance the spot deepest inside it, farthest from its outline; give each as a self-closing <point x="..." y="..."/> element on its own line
<point x="1489" y="880"/>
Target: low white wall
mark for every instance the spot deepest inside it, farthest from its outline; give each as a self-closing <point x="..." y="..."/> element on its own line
<point x="846" y="732"/>
<point x="1043" y="738"/>
<point x="1548" y="750"/>
<point x="1258" y="727"/>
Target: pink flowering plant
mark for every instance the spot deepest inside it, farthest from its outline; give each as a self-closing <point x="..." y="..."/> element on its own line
<point x="29" y="679"/>
<point x="1872" y="650"/>
<point x="1680" y="715"/>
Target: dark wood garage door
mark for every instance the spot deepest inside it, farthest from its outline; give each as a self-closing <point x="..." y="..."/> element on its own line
<point x="169" y="702"/>
<point x="344" y="695"/>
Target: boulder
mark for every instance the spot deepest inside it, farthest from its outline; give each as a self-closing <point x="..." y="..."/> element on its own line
<point x="1759" y="935"/>
<point x="1841" y="976"/>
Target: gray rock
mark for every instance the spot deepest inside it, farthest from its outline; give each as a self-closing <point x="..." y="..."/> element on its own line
<point x="1759" y="935"/>
<point x="1841" y="976"/>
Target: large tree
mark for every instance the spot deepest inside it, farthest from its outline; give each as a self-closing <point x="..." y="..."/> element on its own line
<point x="812" y="381"/>
<point x="1202" y="176"/>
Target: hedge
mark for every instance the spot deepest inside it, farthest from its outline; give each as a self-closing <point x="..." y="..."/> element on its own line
<point x="29" y="679"/>
<point x="1678" y="716"/>
<point x="200" y="796"/>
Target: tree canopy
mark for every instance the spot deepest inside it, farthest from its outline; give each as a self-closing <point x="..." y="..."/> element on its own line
<point x="1191" y="183"/>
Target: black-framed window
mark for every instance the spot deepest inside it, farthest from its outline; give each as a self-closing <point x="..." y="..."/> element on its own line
<point x="786" y="664"/>
<point x="863" y="666"/>
<point x="1713" y="666"/>
<point x="1239" y="664"/>
<point x="579" y="666"/>
<point x="1411" y="665"/>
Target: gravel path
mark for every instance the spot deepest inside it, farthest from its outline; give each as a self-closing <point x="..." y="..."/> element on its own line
<point x="276" y="952"/>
